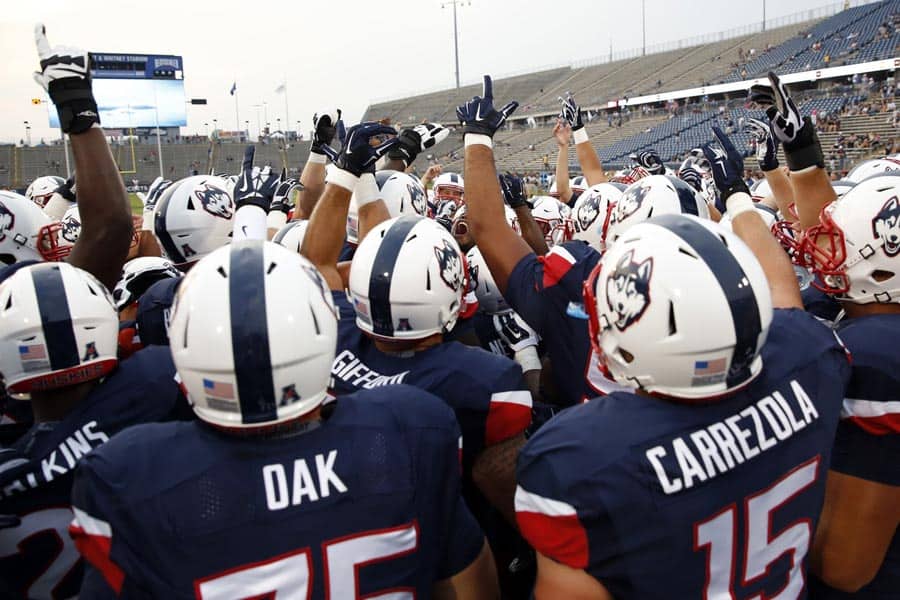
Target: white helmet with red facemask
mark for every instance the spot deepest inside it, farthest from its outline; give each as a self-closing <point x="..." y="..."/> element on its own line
<point x="855" y="250"/>
<point x="554" y="218"/>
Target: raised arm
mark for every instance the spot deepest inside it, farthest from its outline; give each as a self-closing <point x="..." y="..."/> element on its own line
<point x="325" y="127"/>
<point x="587" y="155"/>
<point x="327" y="225"/>
<point x="802" y="150"/>
<point x="106" y="227"/>
<point x="561" y="132"/>
<point x="728" y="170"/>
<point x="412" y="141"/>
<point x="501" y="247"/>
<point x="514" y="196"/>
<point x="767" y="156"/>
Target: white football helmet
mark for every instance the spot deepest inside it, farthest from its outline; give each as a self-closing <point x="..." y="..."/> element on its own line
<point x="42" y="188"/>
<point x="760" y="190"/>
<point x="553" y="190"/>
<point x="592" y="212"/>
<point x="554" y="218"/>
<point x="139" y="274"/>
<point x="193" y="218"/>
<point x="291" y="235"/>
<point x="402" y="193"/>
<point x="58" y="328"/>
<point x="459" y="226"/>
<point x="855" y="249"/>
<point x="578" y="184"/>
<point x="490" y="300"/>
<point x="842" y="186"/>
<point x="407" y="280"/>
<point x="768" y="215"/>
<point x="679" y="307"/>
<point x="448" y="186"/>
<point x="869" y="168"/>
<point x="652" y="196"/>
<point x="236" y="322"/>
<point x="21" y="224"/>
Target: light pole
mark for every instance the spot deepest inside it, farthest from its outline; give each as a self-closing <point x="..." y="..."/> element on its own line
<point x="215" y="125"/>
<point x="644" y="27"/>
<point x="764" y="15"/>
<point x="453" y="3"/>
<point x="247" y="128"/>
<point x="27" y="133"/>
<point x="277" y="120"/>
<point x="206" y="129"/>
<point x="266" y="113"/>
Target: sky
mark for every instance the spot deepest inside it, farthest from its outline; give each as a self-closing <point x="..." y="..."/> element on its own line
<point x="340" y="53"/>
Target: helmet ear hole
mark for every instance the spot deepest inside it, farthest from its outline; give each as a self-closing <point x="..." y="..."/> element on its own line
<point x="880" y="275"/>
<point x="673" y="329"/>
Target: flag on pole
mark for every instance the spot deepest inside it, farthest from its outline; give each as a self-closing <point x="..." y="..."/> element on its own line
<point x="280" y="89"/>
<point x="233" y="88"/>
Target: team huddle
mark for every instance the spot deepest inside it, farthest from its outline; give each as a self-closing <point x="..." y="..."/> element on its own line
<point x="652" y="383"/>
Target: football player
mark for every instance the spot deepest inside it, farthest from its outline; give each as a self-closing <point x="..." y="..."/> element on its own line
<point x="107" y="228"/>
<point x="269" y="493"/>
<point x="406" y="287"/>
<point x="852" y="245"/>
<point x="546" y="290"/>
<point x="707" y="479"/>
<point x="58" y="344"/>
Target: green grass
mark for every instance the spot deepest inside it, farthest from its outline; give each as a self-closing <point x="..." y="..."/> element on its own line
<point x="136" y="207"/>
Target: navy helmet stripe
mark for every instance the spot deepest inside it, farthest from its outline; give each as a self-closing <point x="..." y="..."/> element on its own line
<point x="383" y="273"/>
<point x="250" y="333"/>
<point x="735" y="285"/>
<point x="56" y="320"/>
<point x="160" y="229"/>
<point x="687" y="199"/>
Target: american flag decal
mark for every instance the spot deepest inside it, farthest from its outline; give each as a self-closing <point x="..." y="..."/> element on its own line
<point x="32" y="352"/>
<point x="218" y="389"/>
<point x="709" y="367"/>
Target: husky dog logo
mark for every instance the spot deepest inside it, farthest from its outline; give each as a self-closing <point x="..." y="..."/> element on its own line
<point x="7" y="220"/>
<point x="71" y="227"/>
<point x="216" y="201"/>
<point x="450" y="264"/>
<point x="886" y="226"/>
<point x="587" y="213"/>
<point x="631" y="202"/>
<point x="628" y="290"/>
<point x="417" y="196"/>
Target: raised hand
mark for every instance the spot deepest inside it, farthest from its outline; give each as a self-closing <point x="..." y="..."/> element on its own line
<point x="479" y="115"/>
<point x="571" y="112"/>
<point x="154" y="193"/>
<point x="801" y="144"/>
<point x="650" y="160"/>
<point x="66" y="76"/>
<point x="562" y="131"/>
<point x="513" y="190"/>
<point x="414" y="140"/>
<point x="282" y="199"/>
<point x="357" y="154"/>
<point x="766" y="144"/>
<point x="727" y="165"/>
<point x="325" y="126"/>
<point x="255" y="186"/>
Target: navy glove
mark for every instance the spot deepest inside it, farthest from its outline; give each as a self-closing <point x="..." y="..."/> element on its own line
<point x="66" y="189"/>
<point x="414" y="140"/>
<point x="766" y="144"/>
<point x="255" y="186"/>
<point x="282" y="200"/>
<point x="727" y="166"/>
<point x="650" y="160"/>
<point x="513" y="190"/>
<point x="154" y="193"/>
<point x="479" y="115"/>
<point x="691" y="176"/>
<point x="13" y="465"/>
<point x="801" y="143"/>
<point x="571" y="112"/>
<point x="66" y="76"/>
<point x="357" y="155"/>
<point x="325" y="126"/>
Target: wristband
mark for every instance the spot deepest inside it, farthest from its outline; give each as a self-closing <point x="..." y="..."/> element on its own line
<point x="367" y="190"/>
<point x="580" y="135"/>
<point x="149" y="219"/>
<point x="341" y="178"/>
<point x="276" y="219"/>
<point x="249" y="223"/>
<point x="479" y="139"/>
<point x="528" y="359"/>
<point x="316" y="158"/>
<point x="738" y="203"/>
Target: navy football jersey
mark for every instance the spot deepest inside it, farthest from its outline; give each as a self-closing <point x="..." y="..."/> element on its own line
<point x="662" y="499"/>
<point x="153" y="311"/>
<point x="487" y="392"/>
<point x="543" y="290"/>
<point x="366" y="502"/>
<point x="867" y="444"/>
<point x="37" y="558"/>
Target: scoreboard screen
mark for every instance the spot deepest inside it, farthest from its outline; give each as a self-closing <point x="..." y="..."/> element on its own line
<point x="136" y="90"/>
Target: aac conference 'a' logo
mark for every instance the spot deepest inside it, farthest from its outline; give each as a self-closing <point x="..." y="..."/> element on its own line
<point x="628" y="290"/>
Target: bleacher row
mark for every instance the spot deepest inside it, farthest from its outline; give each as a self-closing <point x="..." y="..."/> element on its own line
<point x="19" y="166"/>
